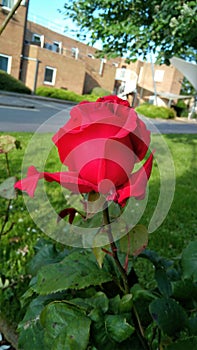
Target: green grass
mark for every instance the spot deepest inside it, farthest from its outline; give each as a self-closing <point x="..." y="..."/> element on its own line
<point x="178" y="228"/>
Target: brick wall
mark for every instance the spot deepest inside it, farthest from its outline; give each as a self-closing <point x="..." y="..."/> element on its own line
<point x="80" y="75"/>
<point x="79" y="72"/>
<point x="11" y="40"/>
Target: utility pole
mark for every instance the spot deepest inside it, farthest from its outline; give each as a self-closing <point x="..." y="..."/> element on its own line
<point x="9" y="16"/>
<point x="153" y="77"/>
<point x="23" y="45"/>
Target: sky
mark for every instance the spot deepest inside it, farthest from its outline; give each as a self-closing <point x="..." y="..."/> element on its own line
<point x="46" y="13"/>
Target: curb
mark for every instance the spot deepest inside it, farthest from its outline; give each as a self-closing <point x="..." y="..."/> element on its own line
<point x="16" y="105"/>
<point x="35" y="97"/>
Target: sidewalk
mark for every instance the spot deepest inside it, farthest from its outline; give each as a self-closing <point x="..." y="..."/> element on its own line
<point x="14" y="99"/>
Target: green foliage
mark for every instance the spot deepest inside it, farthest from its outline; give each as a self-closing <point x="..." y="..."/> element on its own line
<point x="134" y="241"/>
<point x="189" y="344"/>
<point x="7" y="190"/>
<point x="163" y="280"/>
<point x="133" y="28"/>
<point x="63" y="94"/>
<point x="80" y="269"/>
<point x="100" y="92"/>
<point x="189" y="261"/>
<point x="84" y="315"/>
<point x="65" y="327"/>
<point x="181" y="109"/>
<point x="9" y="83"/>
<point x="168" y="315"/>
<point x="152" y="111"/>
<point x="181" y="104"/>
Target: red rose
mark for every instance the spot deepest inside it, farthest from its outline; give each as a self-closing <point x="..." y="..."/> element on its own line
<point x="113" y="99"/>
<point x="100" y="145"/>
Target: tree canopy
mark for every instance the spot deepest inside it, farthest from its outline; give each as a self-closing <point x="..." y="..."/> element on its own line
<point x="133" y="28"/>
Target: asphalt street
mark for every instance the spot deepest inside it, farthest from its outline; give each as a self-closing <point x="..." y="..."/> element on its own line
<point x="30" y="114"/>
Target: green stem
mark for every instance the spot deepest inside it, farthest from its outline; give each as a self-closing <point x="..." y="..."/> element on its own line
<point x="125" y="280"/>
<point x="7" y="164"/>
<point x="139" y="329"/>
<point x="114" y="250"/>
<point x="6" y="218"/>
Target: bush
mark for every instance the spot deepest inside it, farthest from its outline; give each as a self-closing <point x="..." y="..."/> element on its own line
<point x="63" y="94"/>
<point x="9" y="83"/>
<point x="100" y="92"/>
<point x="151" y="111"/>
<point x="181" y="109"/>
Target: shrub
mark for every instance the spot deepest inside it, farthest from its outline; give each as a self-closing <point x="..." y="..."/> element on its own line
<point x="56" y="93"/>
<point x="100" y="92"/>
<point x="9" y="83"/>
<point x="152" y="111"/>
<point x="181" y="109"/>
<point x="63" y="94"/>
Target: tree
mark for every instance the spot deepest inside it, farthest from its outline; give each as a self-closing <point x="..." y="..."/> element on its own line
<point x="133" y="28"/>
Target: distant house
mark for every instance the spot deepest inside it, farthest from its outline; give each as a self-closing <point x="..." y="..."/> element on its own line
<point x="42" y="57"/>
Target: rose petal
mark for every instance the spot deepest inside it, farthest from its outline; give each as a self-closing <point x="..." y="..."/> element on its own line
<point x="113" y="99"/>
<point x="29" y="183"/>
<point x="136" y="186"/>
<point x="69" y="180"/>
<point x="140" y="140"/>
<point x="93" y="121"/>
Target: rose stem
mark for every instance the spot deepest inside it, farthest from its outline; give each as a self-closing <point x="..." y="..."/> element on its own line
<point x="124" y="276"/>
<point x="114" y="250"/>
<point x="7" y="164"/>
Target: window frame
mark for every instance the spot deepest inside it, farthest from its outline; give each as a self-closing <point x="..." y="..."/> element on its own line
<point x="53" y="76"/>
<point x="58" y="44"/>
<point x="9" y="65"/>
<point x="40" y="36"/>
<point x="6" y="7"/>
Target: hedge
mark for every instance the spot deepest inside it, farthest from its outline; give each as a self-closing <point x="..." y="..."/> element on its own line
<point x="152" y="111"/>
<point x="63" y="94"/>
<point x="9" y="83"/>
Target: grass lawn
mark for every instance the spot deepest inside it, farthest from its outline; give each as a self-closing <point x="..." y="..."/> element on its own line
<point x="178" y="228"/>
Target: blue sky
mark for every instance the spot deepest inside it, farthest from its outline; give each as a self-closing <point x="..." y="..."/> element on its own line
<point x="46" y="13"/>
<point x="46" y="8"/>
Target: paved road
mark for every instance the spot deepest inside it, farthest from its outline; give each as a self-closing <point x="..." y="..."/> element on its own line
<point x="33" y="115"/>
<point x="19" y="113"/>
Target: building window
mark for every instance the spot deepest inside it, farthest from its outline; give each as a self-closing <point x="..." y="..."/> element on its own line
<point x="159" y="74"/>
<point x="75" y="52"/>
<point x="49" y="75"/>
<point x="5" y="63"/>
<point x="38" y="39"/>
<point x="90" y="55"/>
<point x="57" y="46"/>
<point x="8" y="3"/>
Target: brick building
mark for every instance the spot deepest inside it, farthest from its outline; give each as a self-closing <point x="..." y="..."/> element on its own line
<point x="11" y="40"/>
<point x="64" y="62"/>
<point x="42" y="57"/>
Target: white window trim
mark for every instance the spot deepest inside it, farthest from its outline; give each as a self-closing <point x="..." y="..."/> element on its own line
<point x="41" y="39"/>
<point x="9" y="62"/>
<point x="59" y="45"/>
<point x="7" y="8"/>
<point x="54" y="75"/>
